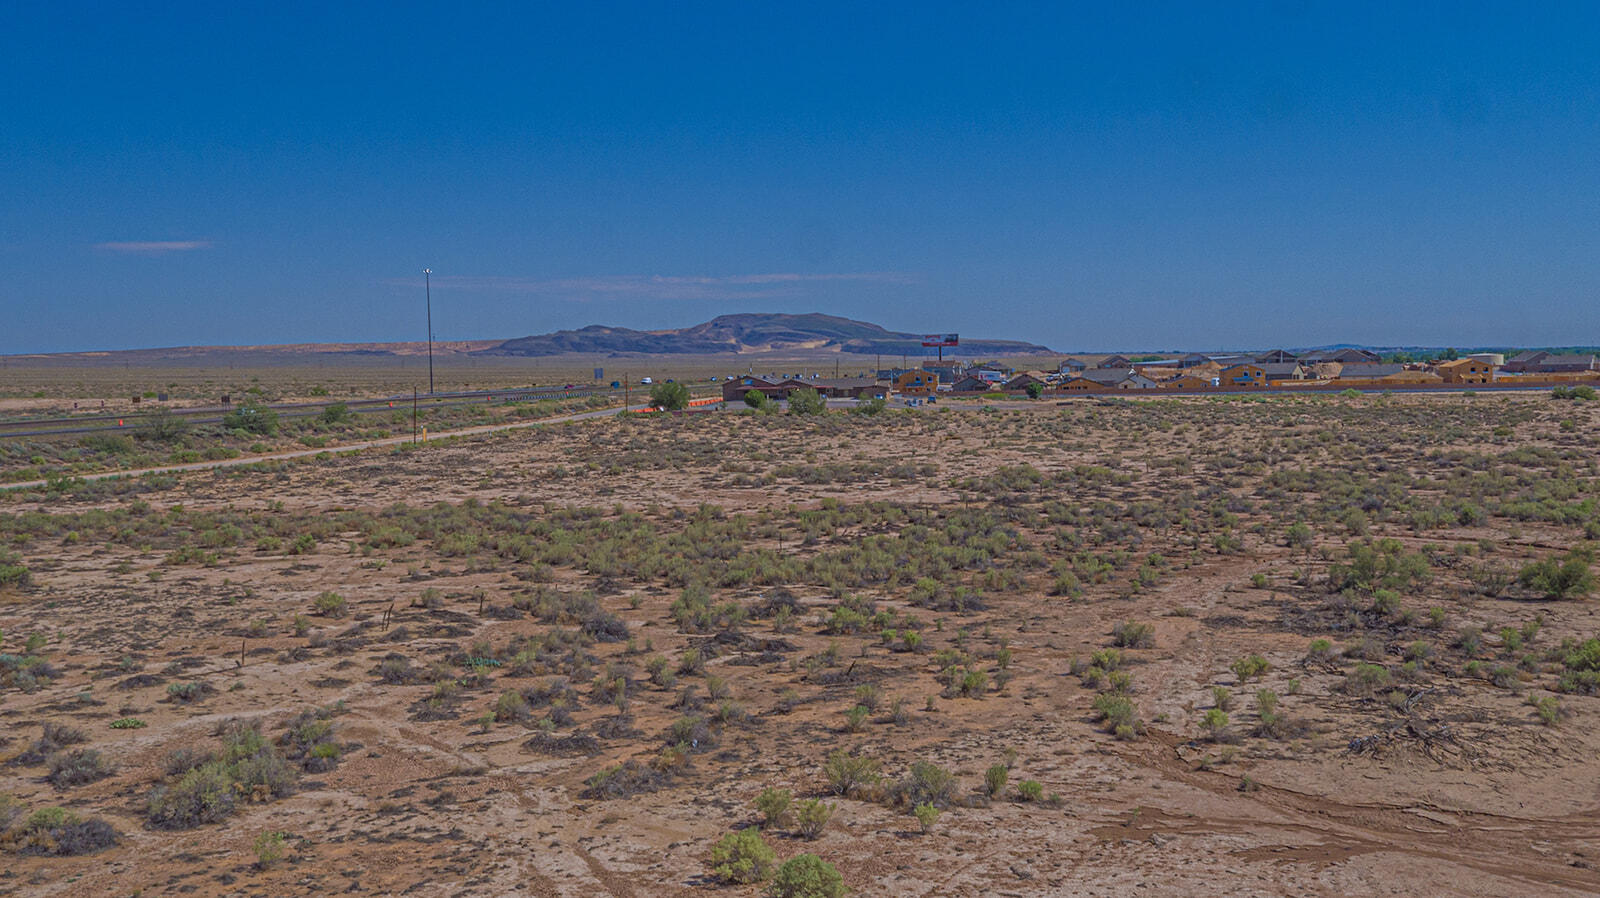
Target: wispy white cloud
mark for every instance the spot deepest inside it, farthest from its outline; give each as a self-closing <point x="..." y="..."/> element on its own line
<point x="152" y="247"/>
<point x="738" y="286"/>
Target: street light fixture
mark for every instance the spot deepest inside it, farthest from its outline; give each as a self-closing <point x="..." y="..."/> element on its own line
<point x="427" y="283"/>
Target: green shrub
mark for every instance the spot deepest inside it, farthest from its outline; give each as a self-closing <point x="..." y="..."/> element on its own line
<point x="1379" y="564"/>
<point x="162" y="426"/>
<point x="1119" y="715"/>
<point x="870" y="407"/>
<point x="205" y="794"/>
<point x="1549" y="710"/>
<point x="337" y="413"/>
<point x="248" y="768"/>
<point x="811" y="817"/>
<point x="742" y="856"/>
<point x="1030" y="790"/>
<point x="1249" y="667"/>
<point x="855" y="718"/>
<point x="1266" y="701"/>
<point x="76" y="767"/>
<point x="269" y="848"/>
<point x="925" y="783"/>
<point x="1581" y="656"/>
<point x="1214" y="722"/>
<point x="1366" y="678"/>
<point x="806" y="401"/>
<point x="252" y="416"/>
<point x="309" y="741"/>
<point x="1129" y="634"/>
<point x="12" y="571"/>
<point x="774" y="806"/>
<point x="968" y="682"/>
<point x="1566" y="578"/>
<point x="184" y="693"/>
<point x="1300" y="537"/>
<point x="847" y="773"/>
<point x="1503" y="676"/>
<point x="994" y="779"/>
<point x="54" y="831"/>
<point x="511" y="707"/>
<point x="1582" y="392"/>
<point x="806" y="876"/>
<point x="669" y="396"/>
<point x="330" y="604"/>
<point x="927" y="815"/>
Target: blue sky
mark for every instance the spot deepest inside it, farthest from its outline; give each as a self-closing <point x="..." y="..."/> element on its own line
<point x="1175" y="176"/>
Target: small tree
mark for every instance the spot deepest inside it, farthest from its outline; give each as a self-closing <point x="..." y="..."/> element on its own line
<point x="1035" y="390"/>
<point x="873" y="406"/>
<point x="806" y="401"/>
<point x="252" y="417"/>
<point x="163" y="427"/>
<point x="742" y="856"/>
<point x="338" y="413"/>
<point x="669" y="396"/>
<point x="806" y="876"/>
<point x="755" y="399"/>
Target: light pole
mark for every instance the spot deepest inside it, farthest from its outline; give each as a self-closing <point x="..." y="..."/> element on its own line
<point x="427" y="285"/>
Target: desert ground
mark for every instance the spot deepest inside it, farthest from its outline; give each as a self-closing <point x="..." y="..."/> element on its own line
<point x="1287" y="645"/>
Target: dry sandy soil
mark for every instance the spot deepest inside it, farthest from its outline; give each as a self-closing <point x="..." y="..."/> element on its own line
<point x="779" y="550"/>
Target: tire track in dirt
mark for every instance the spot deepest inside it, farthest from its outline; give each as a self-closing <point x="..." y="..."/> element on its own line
<point x="542" y="885"/>
<point x="1491" y="843"/>
<point x="613" y="883"/>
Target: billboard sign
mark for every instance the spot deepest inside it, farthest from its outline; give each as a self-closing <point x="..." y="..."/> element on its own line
<point x="941" y="340"/>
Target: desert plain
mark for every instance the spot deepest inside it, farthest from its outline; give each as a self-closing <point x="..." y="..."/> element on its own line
<point x="1286" y="645"/>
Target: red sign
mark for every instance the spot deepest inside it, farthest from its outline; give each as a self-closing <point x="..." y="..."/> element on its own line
<point x="941" y="340"/>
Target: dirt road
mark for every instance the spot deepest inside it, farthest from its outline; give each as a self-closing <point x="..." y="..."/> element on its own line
<point x="303" y="453"/>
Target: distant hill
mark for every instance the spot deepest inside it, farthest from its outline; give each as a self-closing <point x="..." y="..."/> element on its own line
<point x="750" y="333"/>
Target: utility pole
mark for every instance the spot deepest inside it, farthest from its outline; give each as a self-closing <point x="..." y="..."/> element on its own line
<point x="427" y="284"/>
<point x="413" y="415"/>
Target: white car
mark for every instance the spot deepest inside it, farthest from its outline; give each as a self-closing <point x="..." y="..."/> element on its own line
<point x="646" y="380"/>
